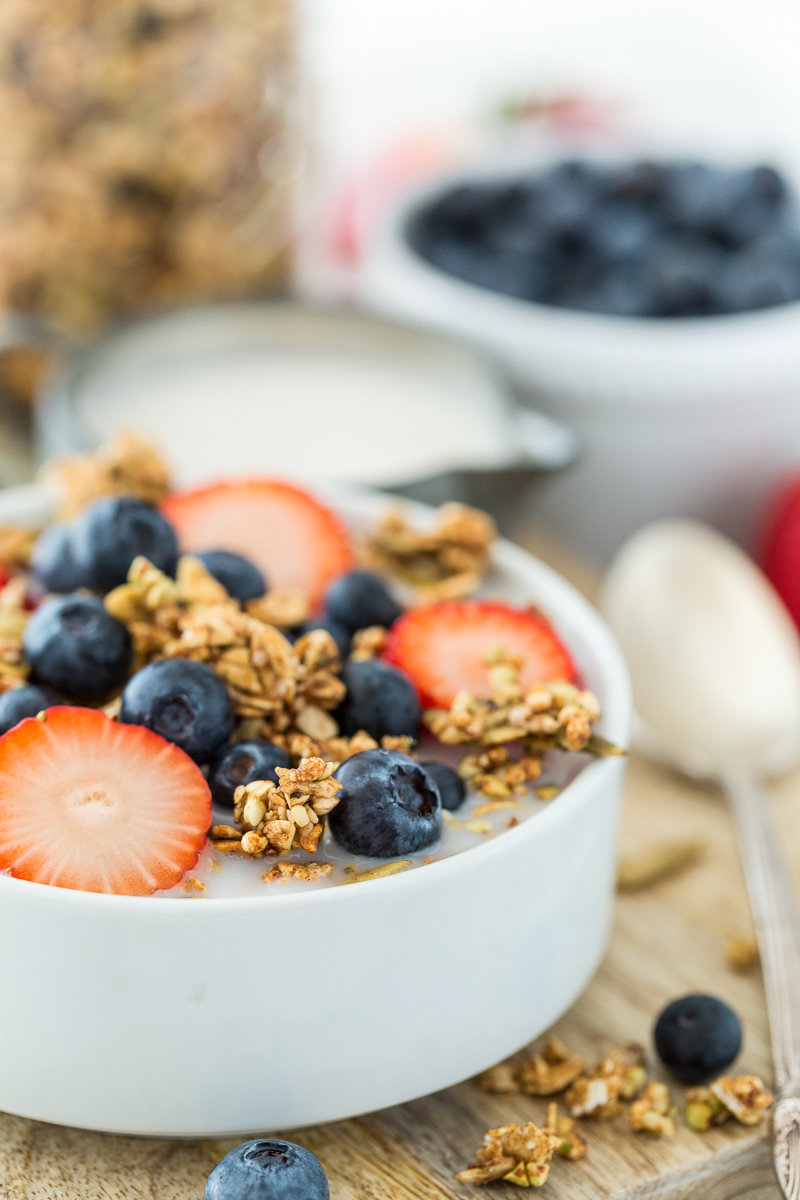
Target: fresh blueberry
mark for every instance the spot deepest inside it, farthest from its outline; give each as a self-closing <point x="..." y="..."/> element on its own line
<point x="339" y="632"/>
<point x="360" y="599"/>
<point x="762" y="275"/>
<point x="243" y="763"/>
<point x="238" y="575"/>
<point x="452" y="787"/>
<point x="53" y="560"/>
<point x="268" y="1169"/>
<point x="77" y="648"/>
<point x="388" y="805"/>
<point x="22" y="702"/>
<point x="184" y="701"/>
<point x="697" y="1038"/>
<point x="109" y="534"/>
<point x="380" y="700"/>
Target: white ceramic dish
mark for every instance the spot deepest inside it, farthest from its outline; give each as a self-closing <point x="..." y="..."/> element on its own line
<point x="678" y="417"/>
<point x="156" y="1016"/>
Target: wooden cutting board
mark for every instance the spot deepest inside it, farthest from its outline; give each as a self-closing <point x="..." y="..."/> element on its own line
<point x="667" y="941"/>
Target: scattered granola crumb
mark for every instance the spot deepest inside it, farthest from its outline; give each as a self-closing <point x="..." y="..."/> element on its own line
<point x="520" y="1154"/>
<point x="493" y="806"/>
<point x="652" y="1112"/>
<point x="703" y="1109"/>
<point x="224" y="832"/>
<point x="571" y="1142"/>
<point x="478" y="826"/>
<point x="658" y="862"/>
<point x="741" y="953"/>
<point x="193" y="886"/>
<point x="547" y="792"/>
<point x="393" y="868"/>
<point x="618" y="1076"/>
<point x="494" y="773"/>
<point x="304" y="872"/>
<point x="500" y="1080"/>
<point x="512" y="822"/>
<point x="446" y="563"/>
<point x="743" y="1095"/>
<point x="128" y="465"/>
<point x="16" y="545"/>
<point x="13" y="619"/>
<point x="368" y="643"/>
<point x="540" y="1075"/>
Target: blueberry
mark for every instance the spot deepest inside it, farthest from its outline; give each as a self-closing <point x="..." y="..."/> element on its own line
<point x="110" y="533"/>
<point x="243" y="763"/>
<point x="452" y="787"/>
<point x="53" y="560"/>
<point x="22" y="702"/>
<point x="184" y="701"/>
<point x="380" y="700"/>
<point x="339" y="632"/>
<point x="77" y="648"/>
<point x="697" y="1038"/>
<point x="360" y="599"/>
<point x="268" y="1169"/>
<point x="762" y="275"/>
<point x="236" y="574"/>
<point x="388" y="805"/>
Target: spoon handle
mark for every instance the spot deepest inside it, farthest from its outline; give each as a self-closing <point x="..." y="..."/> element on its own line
<point x="777" y="921"/>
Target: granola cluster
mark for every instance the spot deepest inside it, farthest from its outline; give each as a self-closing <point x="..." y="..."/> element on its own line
<point x="277" y="818"/>
<point x="653" y="1111"/>
<point x="540" y="1075"/>
<point x="444" y="563"/>
<point x="743" y="1097"/>
<point x="521" y="1154"/>
<point x="617" y="1077"/>
<point x="128" y="466"/>
<point x="495" y="774"/>
<point x="13" y="619"/>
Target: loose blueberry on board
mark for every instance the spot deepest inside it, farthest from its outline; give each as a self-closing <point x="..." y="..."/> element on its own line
<point x="77" y="648"/>
<point x="237" y="574"/>
<point x="109" y="534"/>
<point x="243" y="763"/>
<point x="22" y="702"/>
<point x="388" y="805"/>
<point x="340" y="633"/>
<point x="268" y="1169"/>
<point x="697" y="1038"/>
<point x="359" y="599"/>
<point x="185" y="702"/>
<point x="380" y="700"/>
<point x="89" y="804"/>
<point x="53" y="560"/>
<point x="452" y="787"/>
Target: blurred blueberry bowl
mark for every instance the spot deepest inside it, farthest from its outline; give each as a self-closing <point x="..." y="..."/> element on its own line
<point x="652" y="304"/>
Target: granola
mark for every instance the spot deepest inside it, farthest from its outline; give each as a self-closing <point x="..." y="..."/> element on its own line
<point x="128" y="465"/>
<point x="494" y="773"/>
<point x="16" y="544"/>
<point x="571" y="1142"/>
<point x="13" y="619"/>
<point x="444" y="563"/>
<point x="540" y="1075"/>
<point x="275" y="819"/>
<point x="368" y="643"/>
<point x="520" y="1154"/>
<point x="743" y="1097"/>
<point x="302" y="872"/>
<point x="742" y="954"/>
<point x="639" y="871"/>
<point x="652" y="1112"/>
<point x="618" y="1076"/>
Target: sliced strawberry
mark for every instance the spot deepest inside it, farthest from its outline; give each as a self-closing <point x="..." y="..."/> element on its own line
<point x="780" y="555"/>
<point x="88" y="804"/>
<point x="294" y="539"/>
<point x="443" y="647"/>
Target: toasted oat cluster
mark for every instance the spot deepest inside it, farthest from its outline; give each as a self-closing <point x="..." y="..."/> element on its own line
<point x="540" y="1075"/>
<point x="743" y="1097"/>
<point x="289" y="816"/>
<point x="653" y="1111"/>
<point x="13" y="619"/>
<point x="444" y="563"/>
<point x="521" y="1154"/>
<point x="617" y="1077"/>
<point x="129" y="465"/>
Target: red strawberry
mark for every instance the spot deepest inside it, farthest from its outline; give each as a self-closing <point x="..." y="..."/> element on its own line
<point x="88" y="804"/>
<point x="443" y="647"/>
<point x="294" y="539"/>
<point x="780" y="557"/>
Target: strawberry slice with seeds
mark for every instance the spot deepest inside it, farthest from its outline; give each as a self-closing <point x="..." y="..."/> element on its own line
<point x="443" y="647"/>
<point x="290" y="536"/>
<point x="88" y="804"/>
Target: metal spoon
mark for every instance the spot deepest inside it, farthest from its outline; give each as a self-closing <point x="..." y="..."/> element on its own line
<point x="715" y="662"/>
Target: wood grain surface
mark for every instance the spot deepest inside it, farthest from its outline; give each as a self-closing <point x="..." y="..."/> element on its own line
<point x="667" y="941"/>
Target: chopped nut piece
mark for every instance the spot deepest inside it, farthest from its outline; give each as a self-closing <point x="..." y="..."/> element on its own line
<point x="501" y="1079"/>
<point x="127" y="466"/>
<point x="393" y="868"/>
<point x="656" y="863"/>
<point x="652" y="1112"/>
<point x="368" y="643"/>
<point x="478" y="826"/>
<point x="224" y="832"/>
<point x="445" y="563"/>
<point x="703" y="1109"/>
<point x="285" y="607"/>
<point x="505" y="1149"/>
<point x="743" y="1095"/>
<point x="304" y="872"/>
<point x="493" y="806"/>
<point x="193" y="886"/>
<point x="572" y="1143"/>
<point x="553" y="1072"/>
<point x="741" y="953"/>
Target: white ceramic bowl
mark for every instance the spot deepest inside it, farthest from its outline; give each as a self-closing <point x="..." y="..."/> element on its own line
<point x="677" y="417"/>
<point x="195" y="1017"/>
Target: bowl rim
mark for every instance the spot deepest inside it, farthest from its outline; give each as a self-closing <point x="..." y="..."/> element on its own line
<point x="562" y="596"/>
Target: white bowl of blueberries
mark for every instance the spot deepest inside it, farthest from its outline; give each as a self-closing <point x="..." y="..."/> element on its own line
<point x="654" y="305"/>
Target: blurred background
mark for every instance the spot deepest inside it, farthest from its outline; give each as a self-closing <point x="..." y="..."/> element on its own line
<point x="545" y="258"/>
